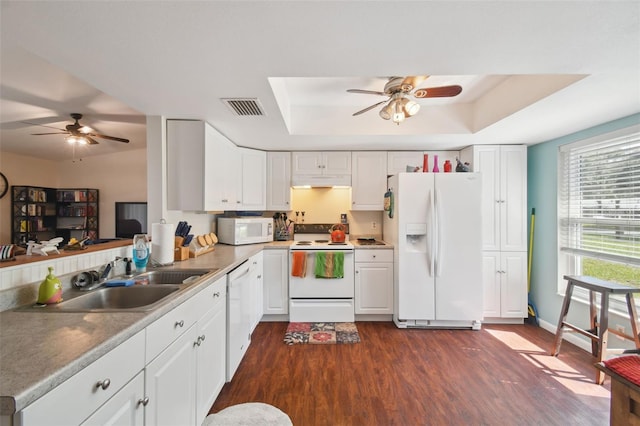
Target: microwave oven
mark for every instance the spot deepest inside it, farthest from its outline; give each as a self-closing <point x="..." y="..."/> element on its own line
<point x="237" y="231"/>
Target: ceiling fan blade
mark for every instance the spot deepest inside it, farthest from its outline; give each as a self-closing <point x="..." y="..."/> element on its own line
<point x="414" y="80"/>
<point x="91" y="140"/>
<point x="55" y="133"/>
<point x="111" y="138"/>
<point x="438" y="92"/>
<point x="366" y="92"/>
<point x="42" y="125"/>
<point x="362" y="111"/>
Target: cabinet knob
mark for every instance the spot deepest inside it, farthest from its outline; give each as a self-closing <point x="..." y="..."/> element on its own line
<point x="104" y="384"/>
<point x="201" y="338"/>
<point x="144" y="401"/>
<point x="374" y="256"/>
<point x="179" y="323"/>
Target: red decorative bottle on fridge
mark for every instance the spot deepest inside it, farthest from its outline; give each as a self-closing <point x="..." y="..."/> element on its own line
<point x="436" y="169"/>
<point x="447" y="166"/>
<point x="425" y="163"/>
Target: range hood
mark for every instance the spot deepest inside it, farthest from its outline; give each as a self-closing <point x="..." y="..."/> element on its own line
<point x="320" y="181"/>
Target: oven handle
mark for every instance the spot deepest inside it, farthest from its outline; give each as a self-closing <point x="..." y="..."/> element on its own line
<point x="326" y="251"/>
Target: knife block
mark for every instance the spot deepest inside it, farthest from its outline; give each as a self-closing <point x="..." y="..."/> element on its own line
<point x="180" y="252"/>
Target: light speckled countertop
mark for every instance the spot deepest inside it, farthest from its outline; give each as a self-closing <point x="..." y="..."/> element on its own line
<point x="40" y="350"/>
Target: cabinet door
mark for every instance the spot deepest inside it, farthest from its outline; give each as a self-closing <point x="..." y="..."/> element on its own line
<point x="513" y="285"/>
<point x="210" y="354"/>
<point x="374" y="288"/>
<point x="276" y="282"/>
<point x="397" y="161"/>
<point x="369" y="180"/>
<point x="513" y="198"/>
<point x="124" y="409"/>
<point x="336" y="163"/>
<point x="279" y="181"/>
<point x="491" y="284"/>
<point x="254" y="176"/>
<point x="223" y="172"/>
<point x="306" y="163"/>
<point x="186" y="159"/>
<point x="170" y="384"/>
<point x="486" y="160"/>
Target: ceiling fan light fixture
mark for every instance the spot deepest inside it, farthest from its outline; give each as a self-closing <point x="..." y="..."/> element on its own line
<point x="411" y="108"/>
<point x="398" y="113"/>
<point x="72" y="140"/>
<point x="386" y="111"/>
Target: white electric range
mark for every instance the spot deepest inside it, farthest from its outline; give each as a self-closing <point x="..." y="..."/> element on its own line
<point x="313" y="298"/>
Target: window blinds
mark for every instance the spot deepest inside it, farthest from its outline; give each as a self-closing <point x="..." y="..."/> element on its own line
<point x="599" y="199"/>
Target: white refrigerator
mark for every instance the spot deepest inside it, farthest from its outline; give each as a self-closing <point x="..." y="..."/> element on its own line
<point x="436" y="232"/>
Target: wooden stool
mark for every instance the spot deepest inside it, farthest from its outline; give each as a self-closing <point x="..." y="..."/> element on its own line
<point x="599" y="332"/>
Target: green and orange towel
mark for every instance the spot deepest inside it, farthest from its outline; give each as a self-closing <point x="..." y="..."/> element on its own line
<point x="329" y="265"/>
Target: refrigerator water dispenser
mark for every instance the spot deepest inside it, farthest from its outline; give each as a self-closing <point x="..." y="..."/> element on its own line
<point x="416" y="234"/>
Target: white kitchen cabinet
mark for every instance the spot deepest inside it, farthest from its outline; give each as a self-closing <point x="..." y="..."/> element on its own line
<point x="504" y="194"/>
<point x="397" y="161"/>
<point x="203" y="168"/>
<point x="256" y="271"/>
<point x="75" y="399"/>
<point x="254" y="179"/>
<point x="170" y="383"/>
<point x="211" y="349"/>
<point x="126" y="408"/>
<point x="276" y="281"/>
<point x="238" y="317"/>
<point x="279" y="181"/>
<point x="310" y="167"/>
<point x="368" y="180"/>
<point x="373" y="281"/>
<point x="504" y="277"/>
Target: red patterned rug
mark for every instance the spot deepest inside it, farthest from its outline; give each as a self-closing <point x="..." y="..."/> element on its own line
<point x="321" y="333"/>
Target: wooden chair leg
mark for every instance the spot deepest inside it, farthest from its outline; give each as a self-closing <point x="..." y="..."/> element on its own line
<point x="593" y="321"/>
<point x="563" y="316"/>
<point x="633" y="317"/>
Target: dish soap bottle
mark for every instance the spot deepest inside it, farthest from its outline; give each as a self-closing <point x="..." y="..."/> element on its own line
<point x="140" y="252"/>
<point x="50" y="291"/>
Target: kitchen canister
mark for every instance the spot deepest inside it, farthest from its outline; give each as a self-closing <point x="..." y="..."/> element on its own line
<point x="162" y="243"/>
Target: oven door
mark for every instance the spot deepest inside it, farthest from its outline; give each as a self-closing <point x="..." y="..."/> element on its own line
<point x="312" y="287"/>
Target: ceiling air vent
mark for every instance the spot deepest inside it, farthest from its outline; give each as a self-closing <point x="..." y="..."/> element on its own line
<point x="244" y="106"/>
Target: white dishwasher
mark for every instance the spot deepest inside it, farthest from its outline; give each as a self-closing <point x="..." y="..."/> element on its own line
<point x="238" y="317"/>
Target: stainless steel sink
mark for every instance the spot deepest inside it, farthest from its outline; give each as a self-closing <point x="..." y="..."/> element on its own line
<point x="115" y="299"/>
<point x="172" y="277"/>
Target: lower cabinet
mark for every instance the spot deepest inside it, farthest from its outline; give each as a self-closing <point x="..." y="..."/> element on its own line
<point x="374" y="281"/>
<point x="168" y="374"/>
<point x="276" y="281"/>
<point x="505" y="284"/>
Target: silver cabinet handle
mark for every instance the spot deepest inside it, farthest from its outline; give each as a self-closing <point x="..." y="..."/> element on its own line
<point x="143" y="401"/>
<point x="104" y="384"/>
<point x="216" y="294"/>
<point x="179" y="323"/>
<point x="202" y="338"/>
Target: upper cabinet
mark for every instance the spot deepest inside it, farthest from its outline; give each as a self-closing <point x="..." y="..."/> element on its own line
<point x="254" y="177"/>
<point x="203" y="168"/>
<point x="504" y="194"/>
<point x="321" y="168"/>
<point x="279" y="181"/>
<point x="369" y="180"/>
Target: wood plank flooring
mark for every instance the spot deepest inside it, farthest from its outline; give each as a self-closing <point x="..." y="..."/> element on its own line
<point x="501" y="375"/>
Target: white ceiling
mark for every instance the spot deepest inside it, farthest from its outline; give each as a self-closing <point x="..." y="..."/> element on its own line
<point x="530" y="70"/>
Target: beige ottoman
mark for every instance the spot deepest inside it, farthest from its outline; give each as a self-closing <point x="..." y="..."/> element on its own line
<point x="250" y="413"/>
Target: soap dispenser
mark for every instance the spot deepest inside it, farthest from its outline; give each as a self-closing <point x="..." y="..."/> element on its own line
<point x="50" y="291"/>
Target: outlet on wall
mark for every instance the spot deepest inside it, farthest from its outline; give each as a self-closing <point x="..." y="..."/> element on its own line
<point x="374" y="225"/>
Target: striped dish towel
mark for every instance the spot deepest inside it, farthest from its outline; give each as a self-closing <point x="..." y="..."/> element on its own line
<point x="329" y="265"/>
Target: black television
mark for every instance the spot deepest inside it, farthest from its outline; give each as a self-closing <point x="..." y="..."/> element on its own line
<point x="131" y="218"/>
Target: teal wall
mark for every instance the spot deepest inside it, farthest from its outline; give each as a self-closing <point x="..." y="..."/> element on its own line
<point x="542" y="195"/>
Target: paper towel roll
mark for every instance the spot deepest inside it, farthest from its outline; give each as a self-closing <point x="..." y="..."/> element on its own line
<point x="162" y="242"/>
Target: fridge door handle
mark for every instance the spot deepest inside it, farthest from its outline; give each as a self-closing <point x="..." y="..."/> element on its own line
<point x="438" y="257"/>
<point x="430" y="240"/>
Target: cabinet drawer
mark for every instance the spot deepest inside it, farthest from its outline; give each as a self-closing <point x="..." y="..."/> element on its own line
<point x="75" y="399"/>
<point x="211" y="296"/>
<point x="374" y="255"/>
<point x="169" y="327"/>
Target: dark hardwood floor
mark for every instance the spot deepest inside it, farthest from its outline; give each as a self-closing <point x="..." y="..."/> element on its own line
<point x="501" y="375"/>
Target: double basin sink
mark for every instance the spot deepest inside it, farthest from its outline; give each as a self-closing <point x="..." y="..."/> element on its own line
<point x="151" y="289"/>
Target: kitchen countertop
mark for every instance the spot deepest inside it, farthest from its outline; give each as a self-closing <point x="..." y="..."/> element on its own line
<point x="62" y="344"/>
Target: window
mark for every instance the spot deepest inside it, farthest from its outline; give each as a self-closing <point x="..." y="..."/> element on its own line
<point x="599" y="207"/>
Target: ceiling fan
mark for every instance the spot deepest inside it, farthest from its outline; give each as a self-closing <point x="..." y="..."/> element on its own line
<point x="399" y="106"/>
<point x="77" y="133"/>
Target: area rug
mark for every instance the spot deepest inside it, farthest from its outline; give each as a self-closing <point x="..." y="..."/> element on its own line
<point x="321" y="333"/>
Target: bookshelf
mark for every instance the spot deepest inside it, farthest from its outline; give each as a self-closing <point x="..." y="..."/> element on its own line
<point x="77" y="214"/>
<point x="33" y="214"/>
<point x="39" y="214"/>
